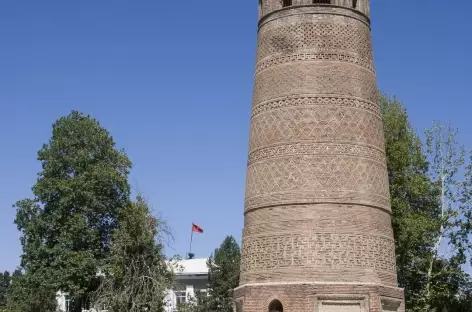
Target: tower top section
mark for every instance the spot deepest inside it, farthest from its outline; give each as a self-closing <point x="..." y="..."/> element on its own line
<point x="266" y="7"/>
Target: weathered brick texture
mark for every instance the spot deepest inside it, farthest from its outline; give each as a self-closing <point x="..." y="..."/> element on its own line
<point x="317" y="233"/>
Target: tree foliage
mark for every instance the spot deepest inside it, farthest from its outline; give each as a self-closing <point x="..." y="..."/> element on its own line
<point x="5" y="281"/>
<point x="137" y="275"/>
<point x="413" y="199"/>
<point x="66" y="227"/>
<point x="223" y="277"/>
<point x="451" y="172"/>
<point x="28" y="293"/>
<point x="432" y="281"/>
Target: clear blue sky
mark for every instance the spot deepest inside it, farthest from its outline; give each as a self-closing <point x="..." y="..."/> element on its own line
<point x="172" y="81"/>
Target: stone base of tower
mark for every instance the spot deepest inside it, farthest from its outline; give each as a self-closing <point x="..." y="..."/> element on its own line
<point x="319" y="297"/>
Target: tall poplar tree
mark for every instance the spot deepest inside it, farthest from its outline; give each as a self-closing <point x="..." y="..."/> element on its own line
<point x="431" y="191"/>
<point x="451" y="171"/>
<point x="66" y="227"/>
<point x="415" y="205"/>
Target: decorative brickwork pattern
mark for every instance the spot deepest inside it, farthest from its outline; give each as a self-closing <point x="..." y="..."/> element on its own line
<point x="317" y="149"/>
<point x="317" y="37"/>
<point x="317" y="173"/>
<point x="299" y="57"/>
<point x="320" y="250"/>
<point x="316" y="124"/>
<point x="317" y="229"/>
<point x="316" y="100"/>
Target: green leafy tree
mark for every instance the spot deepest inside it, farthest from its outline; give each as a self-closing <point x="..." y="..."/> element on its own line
<point x="137" y="275"/>
<point x="415" y="206"/>
<point x="27" y="293"/>
<point x="5" y="282"/>
<point x="199" y="303"/>
<point x="451" y="171"/>
<point x="430" y="197"/>
<point x="223" y="278"/>
<point x="67" y="226"/>
<point x="223" y="275"/>
<point x="448" y="288"/>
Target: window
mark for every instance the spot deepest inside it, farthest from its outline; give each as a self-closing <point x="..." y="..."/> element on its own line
<point x="276" y="306"/>
<point x="67" y="298"/>
<point x="286" y="3"/>
<point x="321" y="1"/>
<point x="180" y="297"/>
<point x="354" y="4"/>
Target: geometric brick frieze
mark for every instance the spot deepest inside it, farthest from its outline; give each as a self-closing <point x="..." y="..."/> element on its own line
<point x="310" y="56"/>
<point x="317" y="149"/>
<point x="315" y="77"/>
<point x="316" y="252"/>
<point x="316" y="100"/>
<point x="307" y="175"/>
<point x="317" y="37"/>
<point x="316" y="123"/>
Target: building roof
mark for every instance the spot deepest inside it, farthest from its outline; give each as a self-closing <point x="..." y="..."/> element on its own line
<point x="191" y="267"/>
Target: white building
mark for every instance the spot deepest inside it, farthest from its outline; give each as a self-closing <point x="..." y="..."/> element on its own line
<point x="191" y="276"/>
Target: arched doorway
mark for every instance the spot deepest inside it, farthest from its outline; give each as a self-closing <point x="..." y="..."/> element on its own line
<point x="276" y="306"/>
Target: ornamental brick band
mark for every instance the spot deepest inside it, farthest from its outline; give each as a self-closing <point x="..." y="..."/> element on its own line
<point x="319" y="37"/>
<point x="307" y="175"/>
<point x="331" y="101"/>
<point x="321" y="250"/>
<point x="317" y="228"/>
<point x="316" y="124"/>
<point x="321" y="149"/>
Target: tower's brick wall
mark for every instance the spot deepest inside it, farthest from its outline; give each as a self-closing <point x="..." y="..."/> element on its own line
<point x="317" y="212"/>
<point x="270" y="6"/>
<point x="318" y="243"/>
<point x="310" y="297"/>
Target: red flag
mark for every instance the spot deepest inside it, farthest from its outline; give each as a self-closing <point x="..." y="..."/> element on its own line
<point x="196" y="228"/>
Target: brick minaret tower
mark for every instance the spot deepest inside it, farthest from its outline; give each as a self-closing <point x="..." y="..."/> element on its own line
<point x="317" y="229"/>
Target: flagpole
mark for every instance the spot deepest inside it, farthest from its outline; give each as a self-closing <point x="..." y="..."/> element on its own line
<point x="191" y="239"/>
